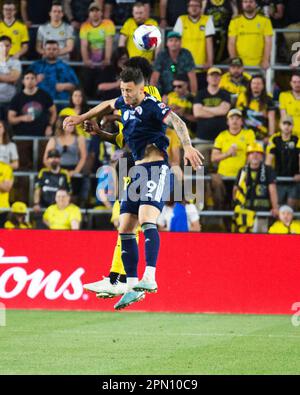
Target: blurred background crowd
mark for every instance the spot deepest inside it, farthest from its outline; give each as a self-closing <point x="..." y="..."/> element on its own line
<point x="229" y="68"/>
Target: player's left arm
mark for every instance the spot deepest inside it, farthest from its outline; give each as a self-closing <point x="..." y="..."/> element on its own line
<point x="190" y="153"/>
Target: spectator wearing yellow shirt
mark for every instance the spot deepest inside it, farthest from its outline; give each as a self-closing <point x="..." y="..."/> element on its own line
<point x="286" y="224"/>
<point x="235" y="81"/>
<point x="230" y="153"/>
<point x="139" y="17"/>
<point x="63" y="215"/>
<point x="289" y="102"/>
<point x="6" y="183"/>
<point x="16" y="30"/>
<point x="197" y="31"/>
<point x="250" y="36"/>
<point x="17" y="217"/>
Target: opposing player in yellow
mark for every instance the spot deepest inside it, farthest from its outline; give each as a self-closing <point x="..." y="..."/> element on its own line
<point x="115" y="283"/>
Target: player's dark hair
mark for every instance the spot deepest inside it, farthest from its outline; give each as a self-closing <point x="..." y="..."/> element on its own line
<point x="56" y="3"/>
<point x="138" y="4"/>
<point x="5" y="38"/>
<point x="132" y="75"/>
<point x="138" y="62"/>
<point x="9" y="2"/>
<point x="63" y="190"/>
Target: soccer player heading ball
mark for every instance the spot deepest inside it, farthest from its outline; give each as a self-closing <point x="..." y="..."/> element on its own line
<point x="145" y="120"/>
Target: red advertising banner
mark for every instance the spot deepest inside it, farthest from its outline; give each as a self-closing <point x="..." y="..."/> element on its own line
<point x="199" y="272"/>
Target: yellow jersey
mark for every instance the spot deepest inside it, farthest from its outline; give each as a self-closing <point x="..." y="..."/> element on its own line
<point x="279" y="228"/>
<point x="232" y="87"/>
<point x="10" y="225"/>
<point x="127" y="30"/>
<point x="230" y="166"/>
<point x="194" y="35"/>
<point x="18" y="33"/>
<point x="250" y="37"/>
<point x="291" y="105"/>
<point x="153" y="91"/>
<point x="6" y="174"/>
<point x="61" y="219"/>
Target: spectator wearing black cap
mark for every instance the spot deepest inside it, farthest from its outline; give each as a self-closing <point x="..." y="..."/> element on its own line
<point x="49" y="180"/>
<point x="235" y="81"/>
<point x="283" y="152"/>
<point x="211" y="106"/>
<point x="173" y="61"/>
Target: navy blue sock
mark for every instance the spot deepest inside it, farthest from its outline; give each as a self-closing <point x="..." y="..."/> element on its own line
<point x="130" y="253"/>
<point x="151" y="243"/>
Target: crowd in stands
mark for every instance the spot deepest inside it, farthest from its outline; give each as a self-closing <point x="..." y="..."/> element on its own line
<point x="248" y="135"/>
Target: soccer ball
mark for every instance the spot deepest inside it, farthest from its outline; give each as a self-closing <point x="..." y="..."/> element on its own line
<point x="147" y="37"/>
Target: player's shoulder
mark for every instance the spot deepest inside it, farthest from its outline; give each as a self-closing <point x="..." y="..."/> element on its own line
<point x="153" y="91"/>
<point x="42" y="172"/>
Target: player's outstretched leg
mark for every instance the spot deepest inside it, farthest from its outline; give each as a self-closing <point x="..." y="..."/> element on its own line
<point x="130" y="259"/>
<point x="152" y="242"/>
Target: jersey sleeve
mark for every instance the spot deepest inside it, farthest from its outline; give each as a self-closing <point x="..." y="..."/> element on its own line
<point x="282" y="101"/>
<point x="110" y="28"/>
<point x="219" y="142"/>
<point x="210" y="28"/>
<point x="160" y="110"/>
<point x="75" y="214"/>
<point x="232" y="29"/>
<point x="268" y="31"/>
<point x="120" y="139"/>
<point x="178" y="26"/>
<point x="83" y="33"/>
<point x="24" y="34"/>
<point x="125" y="29"/>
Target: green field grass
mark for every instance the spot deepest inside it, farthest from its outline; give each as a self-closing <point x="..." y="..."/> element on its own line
<point x="64" y="342"/>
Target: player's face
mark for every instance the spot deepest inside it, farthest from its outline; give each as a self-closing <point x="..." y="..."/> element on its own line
<point x="295" y="84"/>
<point x="131" y="92"/>
<point x="139" y="14"/>
<point x="194" y="9"/>
<point x="235" y="122"/>
<point x="286" y="217"/>
<point x="29" y="81"/>
<point x="56" y="13"/>
<point x="249" y="5"/>
<point x="236" y="71"/>
<point x="62" y="199"/>
<point x="257" y="86"/>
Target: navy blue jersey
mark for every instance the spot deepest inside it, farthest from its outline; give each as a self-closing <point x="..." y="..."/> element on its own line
<point x="144" y="125"/>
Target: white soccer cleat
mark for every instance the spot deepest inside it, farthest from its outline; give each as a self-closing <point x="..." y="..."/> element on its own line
<point x="98" y="285"/>
<point x="112" y="290"/>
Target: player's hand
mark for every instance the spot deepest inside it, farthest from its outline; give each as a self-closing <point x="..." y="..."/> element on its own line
<point x="192" y="155"/>
<point x="91" y="126"/>
<point x="275" y="212"/>
<point x="73" y="120"/>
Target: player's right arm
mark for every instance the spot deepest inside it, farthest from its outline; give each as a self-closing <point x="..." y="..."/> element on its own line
<point x="101" y="109"/>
